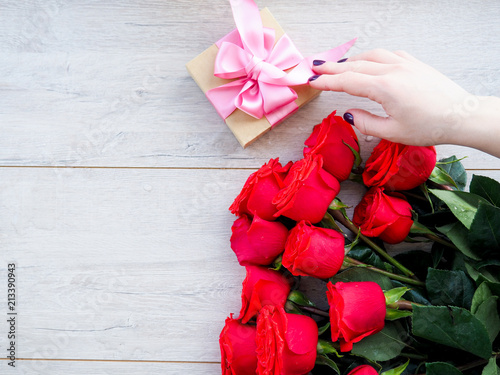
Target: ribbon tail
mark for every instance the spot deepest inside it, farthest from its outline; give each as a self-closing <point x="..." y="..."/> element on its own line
<point x="301" y="73"/>
<point x="281" y="113"/>
<point x="333" y="54"/>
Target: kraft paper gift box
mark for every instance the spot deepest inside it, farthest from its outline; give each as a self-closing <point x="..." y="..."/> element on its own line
<point x="245" y="128"/>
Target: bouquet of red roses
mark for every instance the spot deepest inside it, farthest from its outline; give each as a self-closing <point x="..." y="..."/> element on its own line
<point x="432" y="308"/>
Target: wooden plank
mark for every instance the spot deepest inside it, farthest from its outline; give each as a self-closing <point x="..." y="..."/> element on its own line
<point x="120" y="264"/>
<point x="123" y="263"/>
<point x="43" y="367"/>
<point x="104" y="84"/>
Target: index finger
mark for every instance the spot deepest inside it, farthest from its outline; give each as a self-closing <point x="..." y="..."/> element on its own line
<point x="353" y="83"/>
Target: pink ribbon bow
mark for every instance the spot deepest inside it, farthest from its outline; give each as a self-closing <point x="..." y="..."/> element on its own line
<point x="250" y="56"/>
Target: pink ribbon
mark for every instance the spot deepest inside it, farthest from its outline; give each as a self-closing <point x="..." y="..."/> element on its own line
<point x="257" y="65"/>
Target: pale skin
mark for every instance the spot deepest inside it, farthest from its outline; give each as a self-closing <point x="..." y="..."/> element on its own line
<point x="423" y="106"/>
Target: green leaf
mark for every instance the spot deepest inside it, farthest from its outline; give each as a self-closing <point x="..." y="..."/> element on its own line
<point x="485" y="228"/>
<point x="362" y="274"/>
<point x="357" y="157"/>
<point x="300" y="298"/>
<point x="455" y="169"/>
<point x="459" y="236"/>
<point x="481" y="274"/>
<point x="337" y="204"/>
<point x="414" y="294"/>
<point x="398" y="370"/>
<point x="482" y="294"/>
<point x="484" y="307"/>
<point x="325" y="361"/>
<point x="417" y="228"/>
<point x="440" y="176"/>
<point x="449" y="288"/>
<point x="292" y="308"/>
<point x="462" y="204"/>
<point x="487" y="188"/>
<point x="276" y="265"/>
<point x="394" y="295"/>
<point x="365" y="254"/>
<point x="325" y="347"/>
<point x="452" y="326"/>
<point x="384" y="345"/>
<point x="491" y="368"/>
<point x="393" y="314"/>
<point x="441" y="368"/>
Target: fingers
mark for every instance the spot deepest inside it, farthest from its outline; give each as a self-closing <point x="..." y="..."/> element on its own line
<point x="353" y="83"/>
<point x="370" y="124"/>
<point x="364" y="67"/>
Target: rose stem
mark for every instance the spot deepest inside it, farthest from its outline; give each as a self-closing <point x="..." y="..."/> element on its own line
<point x="471" y="365"/>
<point x="438" y="239"/>
<point x="403" y="305"/>
<point x="349" y="225"/>
<point x="354" y="262"/>
<point x="315" y="311"/>
<point x="440" y="186"/>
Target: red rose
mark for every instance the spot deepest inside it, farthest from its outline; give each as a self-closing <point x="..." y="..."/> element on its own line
<point x="259" y="190"/>
<point x="257" y="241"/>
<point x="387" y="216"/>
<point x="261" y="287"/>
<point x="286" y="343"/>
<point x="363" y="370"/>
<point x="399" y="167"/>
<point x="237" y="347"/>
<point x="313" y="251"/>
<point x="357" y="310"/>
<point x="308" y="191"/>
<point x="329" y="140"/>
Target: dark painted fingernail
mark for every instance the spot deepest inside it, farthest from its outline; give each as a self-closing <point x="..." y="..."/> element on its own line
<point x="314" y="77"/>
<point x="349" y="118"/>
<point x="342" y="60"/>
<point x="318" y="62"/>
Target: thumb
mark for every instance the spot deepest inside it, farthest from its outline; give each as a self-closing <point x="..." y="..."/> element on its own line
<point x="370" y="124"/>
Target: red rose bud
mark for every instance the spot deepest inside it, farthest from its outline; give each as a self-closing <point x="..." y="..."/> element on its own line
<point x="363" y="370"/>
<point x="237" y="347"/>
<point x="329" y="140"/>
<point x="357" y="310"/>
<point x="261" y="287"/>
<point x="286" y="343"/>
<point x="313" y="251"/>
<point x="259" y="190"/>
<point x="387" y="216"/>
<point x="257" y="241"/>
<point x="399" y="167"/>
<point x="308" y="191"/>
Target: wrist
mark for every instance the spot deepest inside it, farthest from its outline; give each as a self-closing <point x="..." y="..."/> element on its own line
<point x="476" y="124"/>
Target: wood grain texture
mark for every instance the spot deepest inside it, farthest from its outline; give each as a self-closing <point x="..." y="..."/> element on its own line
<point x="104" y="83"/>
<point x="44" y="367"/>
<point x="116" y="174"/>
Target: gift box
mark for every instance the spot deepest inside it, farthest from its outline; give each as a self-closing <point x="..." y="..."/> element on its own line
<point x="254" y="76"/>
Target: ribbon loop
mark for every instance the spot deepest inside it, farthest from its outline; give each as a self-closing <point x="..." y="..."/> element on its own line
<point x="250" y="55"/>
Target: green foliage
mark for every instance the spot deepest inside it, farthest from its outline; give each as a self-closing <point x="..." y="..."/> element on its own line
<point x="441" y="368"/>
<point x="452" y="326"/>
<point x="384" y="345"/>
<point x="449" y="288"/>
<point x="462" y="204"/>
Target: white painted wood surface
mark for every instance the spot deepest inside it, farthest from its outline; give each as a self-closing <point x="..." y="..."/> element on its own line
<point x="116" y="173"/>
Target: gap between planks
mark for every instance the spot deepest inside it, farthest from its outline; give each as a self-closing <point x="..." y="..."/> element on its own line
<point x="166" y="168"/>
<point x="110" y="360"/>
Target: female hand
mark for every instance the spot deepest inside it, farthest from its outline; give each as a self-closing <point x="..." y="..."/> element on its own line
<point x="423" y="106"/>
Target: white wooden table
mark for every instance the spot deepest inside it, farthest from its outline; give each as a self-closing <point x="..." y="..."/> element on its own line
<point x="116" y="173"/>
